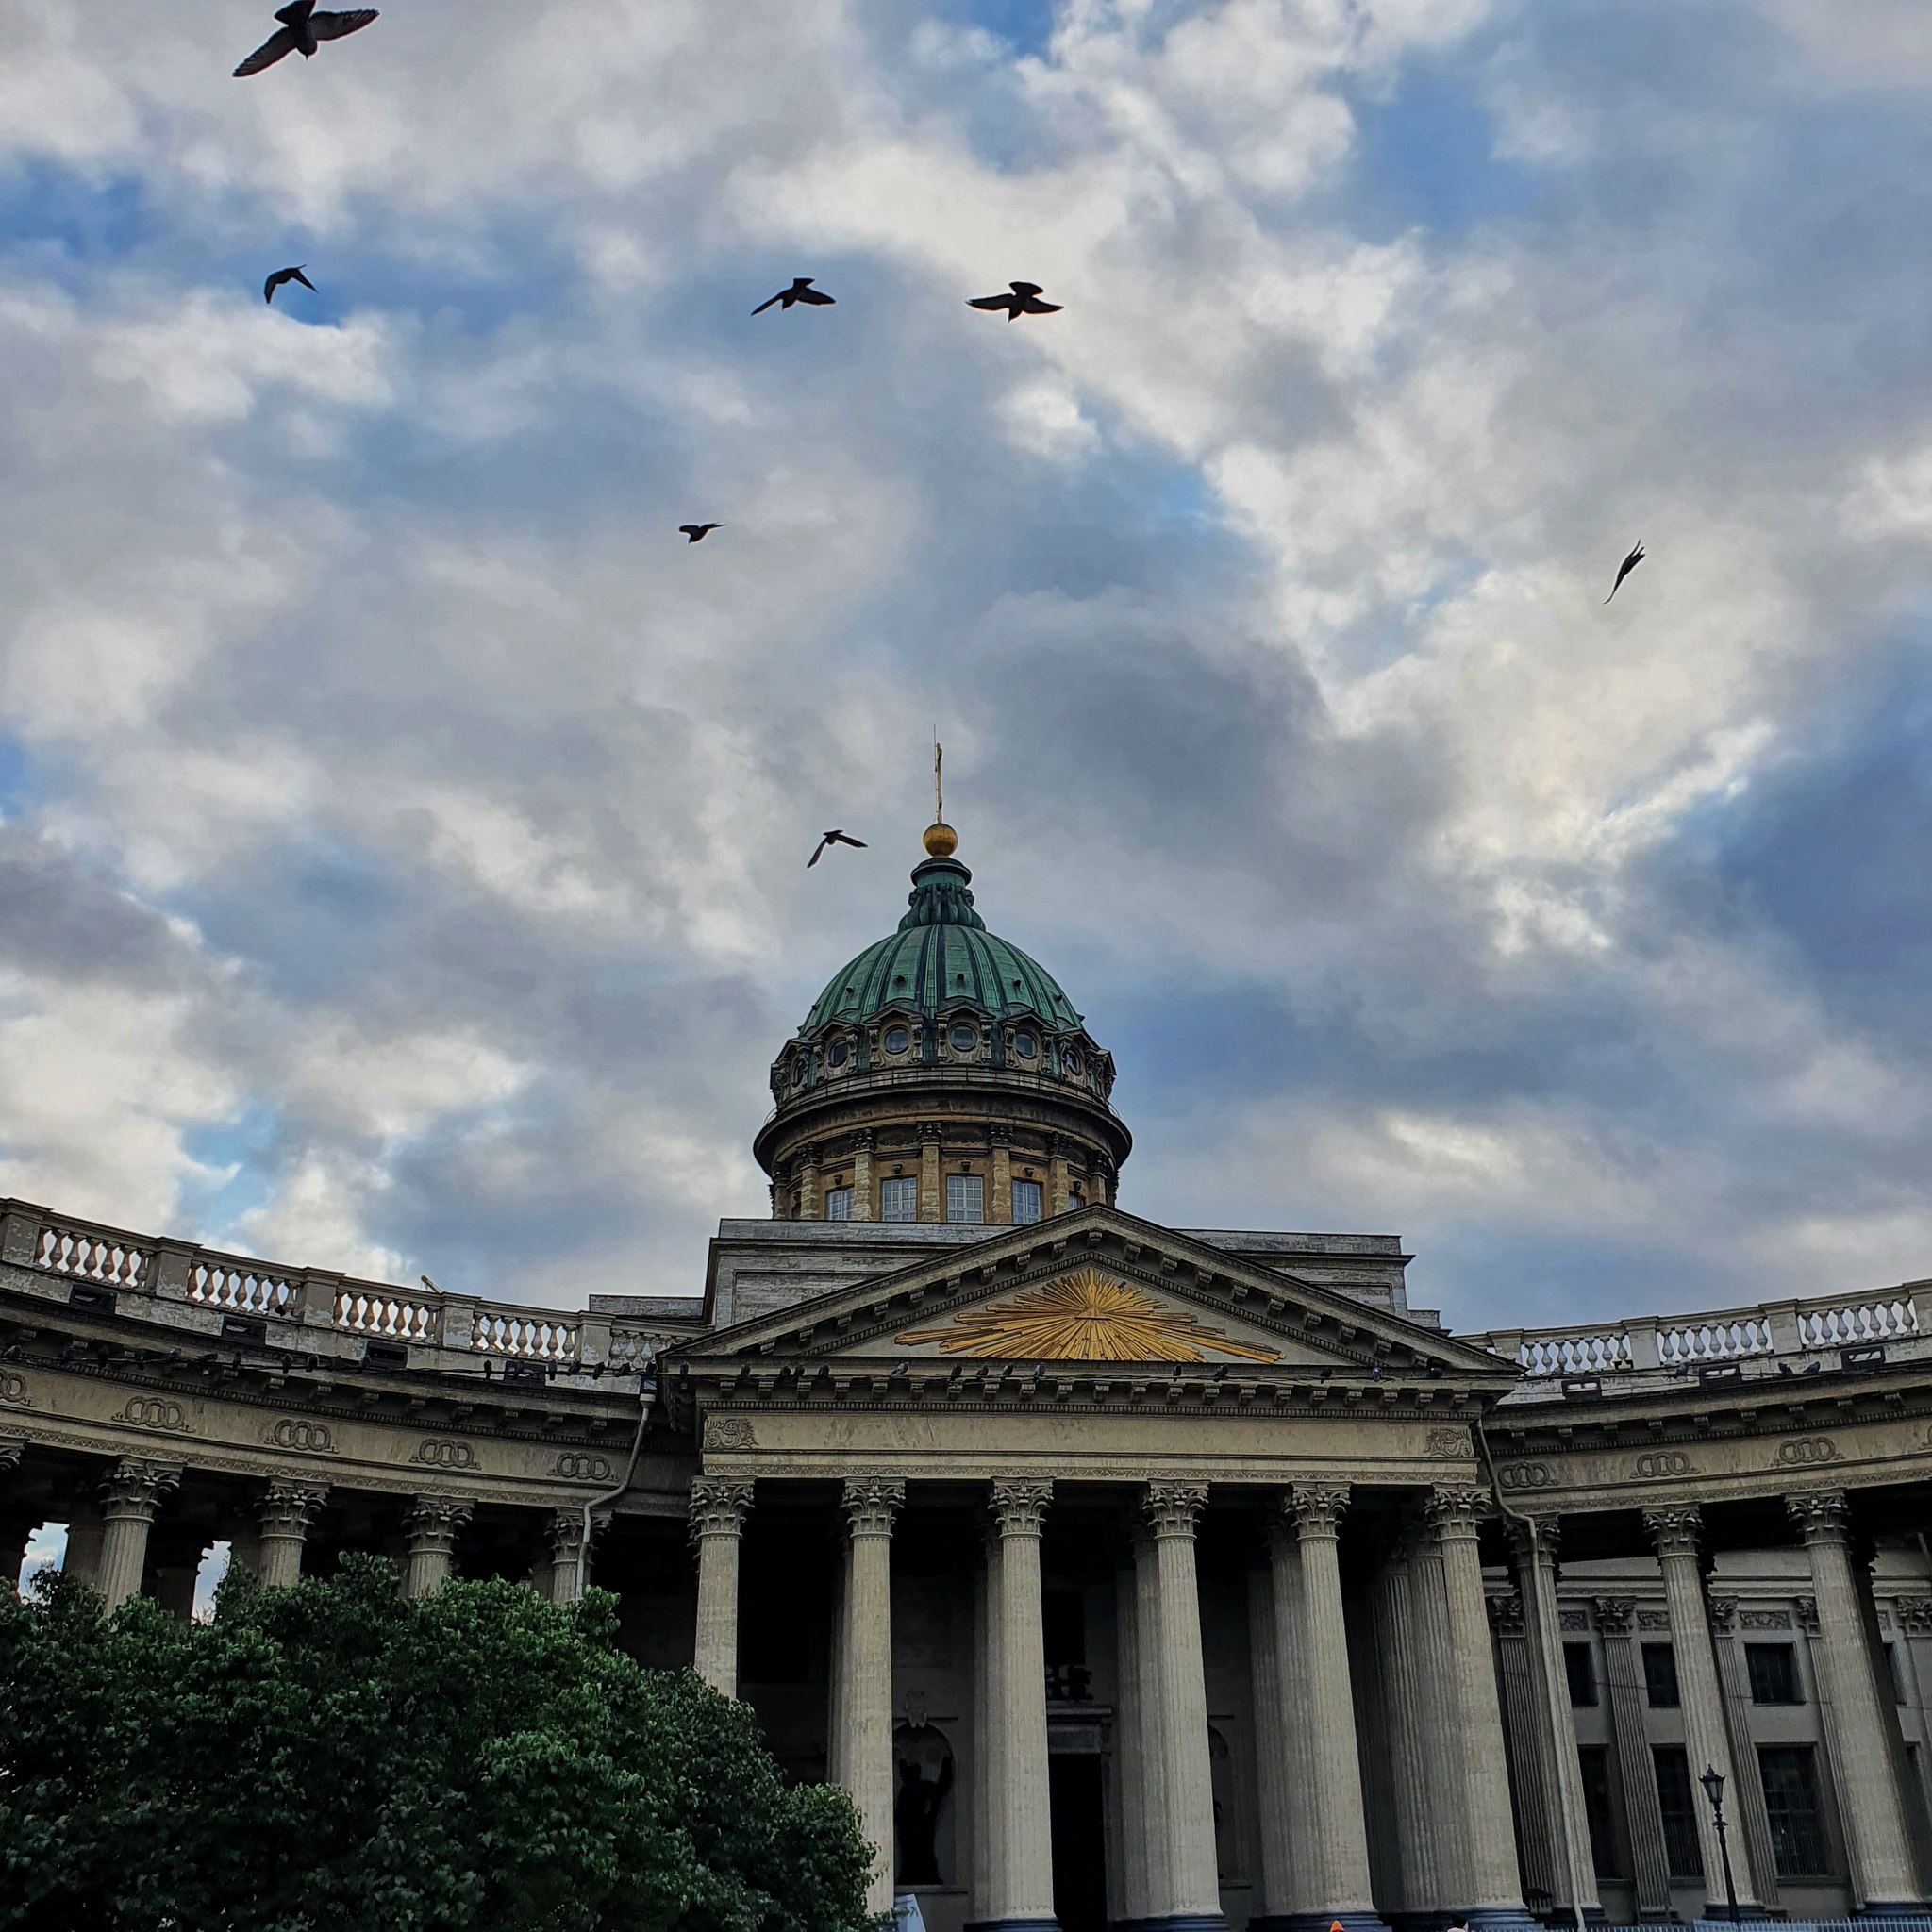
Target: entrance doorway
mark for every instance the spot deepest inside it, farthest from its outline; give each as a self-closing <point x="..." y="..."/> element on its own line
<point x="1080" y="1841"/>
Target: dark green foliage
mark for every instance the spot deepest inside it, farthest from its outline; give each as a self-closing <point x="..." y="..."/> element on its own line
<point x="332" y="1756"/>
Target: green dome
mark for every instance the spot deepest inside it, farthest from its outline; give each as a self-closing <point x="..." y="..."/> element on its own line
<point x="942" y="953"/>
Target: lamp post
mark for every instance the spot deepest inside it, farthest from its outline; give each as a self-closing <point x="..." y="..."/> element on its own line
<point x="1713" y="1783"/>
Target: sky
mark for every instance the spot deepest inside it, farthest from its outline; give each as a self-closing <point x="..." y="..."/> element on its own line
<point x="402" y="830"/>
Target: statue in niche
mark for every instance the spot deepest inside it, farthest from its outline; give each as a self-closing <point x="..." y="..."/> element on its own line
<point x="925" y="1780"/>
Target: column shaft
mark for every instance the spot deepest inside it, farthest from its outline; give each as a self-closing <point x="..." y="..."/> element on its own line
<point x="718" y="1510"/>
<point x="1154" y="1756"/>
<point x="1859" y="1712"/>
<point x="1624" y="1682"/>
<point x="1439" y="1720"/>
<point x="1534" y="1539"/>
<point x="130" y="1499"/>
<point x="987" y="1857"/>
<point x="864" y="1193"/>
<point x="1023" y="1889"/>
<point x="871" y="1503"/>
<point x="999" y="1209"/>
<point x="1400" y="1666"/>
<point x="1273" y="1778"/>
<point x="1707" y="1737"/>
<point x="1535" y="1828"/>
<point x="1187" y="1808"/>
<point x="932" y="1195"/>
<point x="1453" y="1516"/>
<point x="1747" y="1805"/>
<point x="431" y="1528"/>
<point x="1299" y="1825"/>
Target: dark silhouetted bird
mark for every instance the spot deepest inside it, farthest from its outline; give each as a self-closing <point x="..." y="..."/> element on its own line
<point x="1024" y="300"/>
<point x="698" y="532"/>
<point x="800" y="290"/>
<point x="832" y="839"/>
<point x="1625" y="569"/>
<point x="302" y="30"/>
<point x="282" y="275"/>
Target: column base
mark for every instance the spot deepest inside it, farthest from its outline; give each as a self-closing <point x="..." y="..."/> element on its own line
<point x="1720" y="1914"/>
<point x="1012" y="1926"/>
<point x="1912" y="1909"/>
<point x="1319" y="1921"/>
<point x="1186" y="1922"/>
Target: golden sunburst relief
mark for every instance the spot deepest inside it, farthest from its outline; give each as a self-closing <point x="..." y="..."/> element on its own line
<point x="1084" y="1317"/>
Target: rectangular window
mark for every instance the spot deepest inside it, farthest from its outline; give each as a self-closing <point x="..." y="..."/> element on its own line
<point x="1660" y="1677"/>
<point x="1791" y="1802"/>
<point x="1026" y="1203"/>
<point x="1774" y="1669"/>
<point x="899" y="1198"/>
<point x="837" y="1203"/>
<point x="1595" y="1761"/>
<point x="965" y="1197"/>
<point x="1676" y="1799"/>
<point x="1580" y="1668"/>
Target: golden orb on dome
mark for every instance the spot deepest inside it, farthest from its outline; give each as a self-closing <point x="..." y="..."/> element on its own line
<point x="942" y="842"/>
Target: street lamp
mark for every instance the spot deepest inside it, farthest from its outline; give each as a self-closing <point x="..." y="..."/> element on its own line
<point x="1713" y="1783"/>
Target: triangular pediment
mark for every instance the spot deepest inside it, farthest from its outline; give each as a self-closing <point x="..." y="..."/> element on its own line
<point x="1097" y="1287"/>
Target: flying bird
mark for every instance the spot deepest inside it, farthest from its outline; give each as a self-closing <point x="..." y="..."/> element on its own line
<point x="301" y="31"/>
<point x="698" y="532"/>
<point x="1024" y="300"/>
<point x="282" y="275"/>
<point x="1625" y="569"/>
<point x="800" y="290"/>
<point x="832" y="839"/>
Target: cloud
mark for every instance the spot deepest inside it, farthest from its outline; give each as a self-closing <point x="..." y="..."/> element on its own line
<point x="410" y="827"/>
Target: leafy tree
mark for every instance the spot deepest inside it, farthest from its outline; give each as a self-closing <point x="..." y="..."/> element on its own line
<point x="332" y="1756"/>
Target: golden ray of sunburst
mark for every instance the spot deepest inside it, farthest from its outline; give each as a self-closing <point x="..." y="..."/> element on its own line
<point x="1084" y="1317"/>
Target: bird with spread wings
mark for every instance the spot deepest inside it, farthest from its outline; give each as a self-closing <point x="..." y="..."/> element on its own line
<point x="800" y="290"/>
<point x="1024" y="300"/>
<point x="1625" y="569"/>
<point x="832" y="839"/>
<point x="301" y="31"/>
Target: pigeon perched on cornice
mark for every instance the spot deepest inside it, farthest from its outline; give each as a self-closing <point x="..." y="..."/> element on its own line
<point x="1625" y="569"/>
<point x="832" y="839"/>
<point x="302" y="30"/>
<point x="1024" y="300"/>
<point x="285" y="274"/>
<point x="800" y="290"/>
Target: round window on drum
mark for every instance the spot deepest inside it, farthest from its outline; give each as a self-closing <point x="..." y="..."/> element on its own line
<point x="897" y="1040"/>
<point x="964" y="1037"/>
<point x="838" y="1053"/>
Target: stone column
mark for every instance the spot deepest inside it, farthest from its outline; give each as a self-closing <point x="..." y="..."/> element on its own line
<point x="130" y="1499"/>
<point x="569" y="1555"/>
<point x="431" y="1528"/>
<point x="1437" y="1715"/>
<point x="286" y="1513"/>
<point x="1271" y="1774"/>
<point x="1747" y="1803"/>
<point x="999" y="1210"/>
<point x="865" y="1200"/>
<point x="1292" y="1895"/>
<point x="811" y="1193"/>
<point x="1674" y="1532"/>
<point x="1534" y="1541"/>
<point x="1859" y="1712"/>
<point x="1153" y="1777"/>
<point x="1522" y="1724"/>
<point x="1454" y="1515"/>
<point x="871" y="1503"/>
<point x="17" y="1525"/>
<point x="718" y="1510"/>
<point x="932" y="1193"/>
<point x="987" y="1809"/>
<point x="1023" y="1877"/>
<point x="1399" y="1665"/>
<point x="1624" y="1681"/>
<point x="87" y="1530"/>
<point x="1184" y="1819"/>
<point x="1340" y="1832"/>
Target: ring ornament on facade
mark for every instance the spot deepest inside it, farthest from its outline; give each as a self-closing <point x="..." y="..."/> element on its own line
<point x="153" y="1413"/>
<point x="13" y="1389"/>
<point x="1526" y="1475"/>
<point x="1800" y="1452"/>
<point x="439" y="1453"/>
<point x="578" y="1466"/>
<point x="299" y="1432"/>
<point x="1659" y="1465"/>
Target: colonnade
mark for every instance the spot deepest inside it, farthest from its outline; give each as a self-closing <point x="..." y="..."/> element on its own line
<point x="1314" y="1839"/>
<point x="109" y="1536"/>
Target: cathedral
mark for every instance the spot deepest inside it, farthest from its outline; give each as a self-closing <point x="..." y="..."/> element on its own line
<point x="1129" y="1578"/>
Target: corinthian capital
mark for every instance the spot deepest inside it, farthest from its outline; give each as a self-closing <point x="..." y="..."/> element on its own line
<point x="1315" y="1509"/>
<point x="134" y="1491"/>
<point x="1677" y="1531"/>
<point x="719" y="1505"/>
<point x="872" y="1502"/>
<point x="433" y="1522"/>
<point x="1455" y="1510"/>
<point x="1824" y="1516"/>
<point x="1017" y="1507"/>
<point x="1175" y="1509"/>
<point x="288" y="1509"/>
<point x="1614" y="1614"/>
